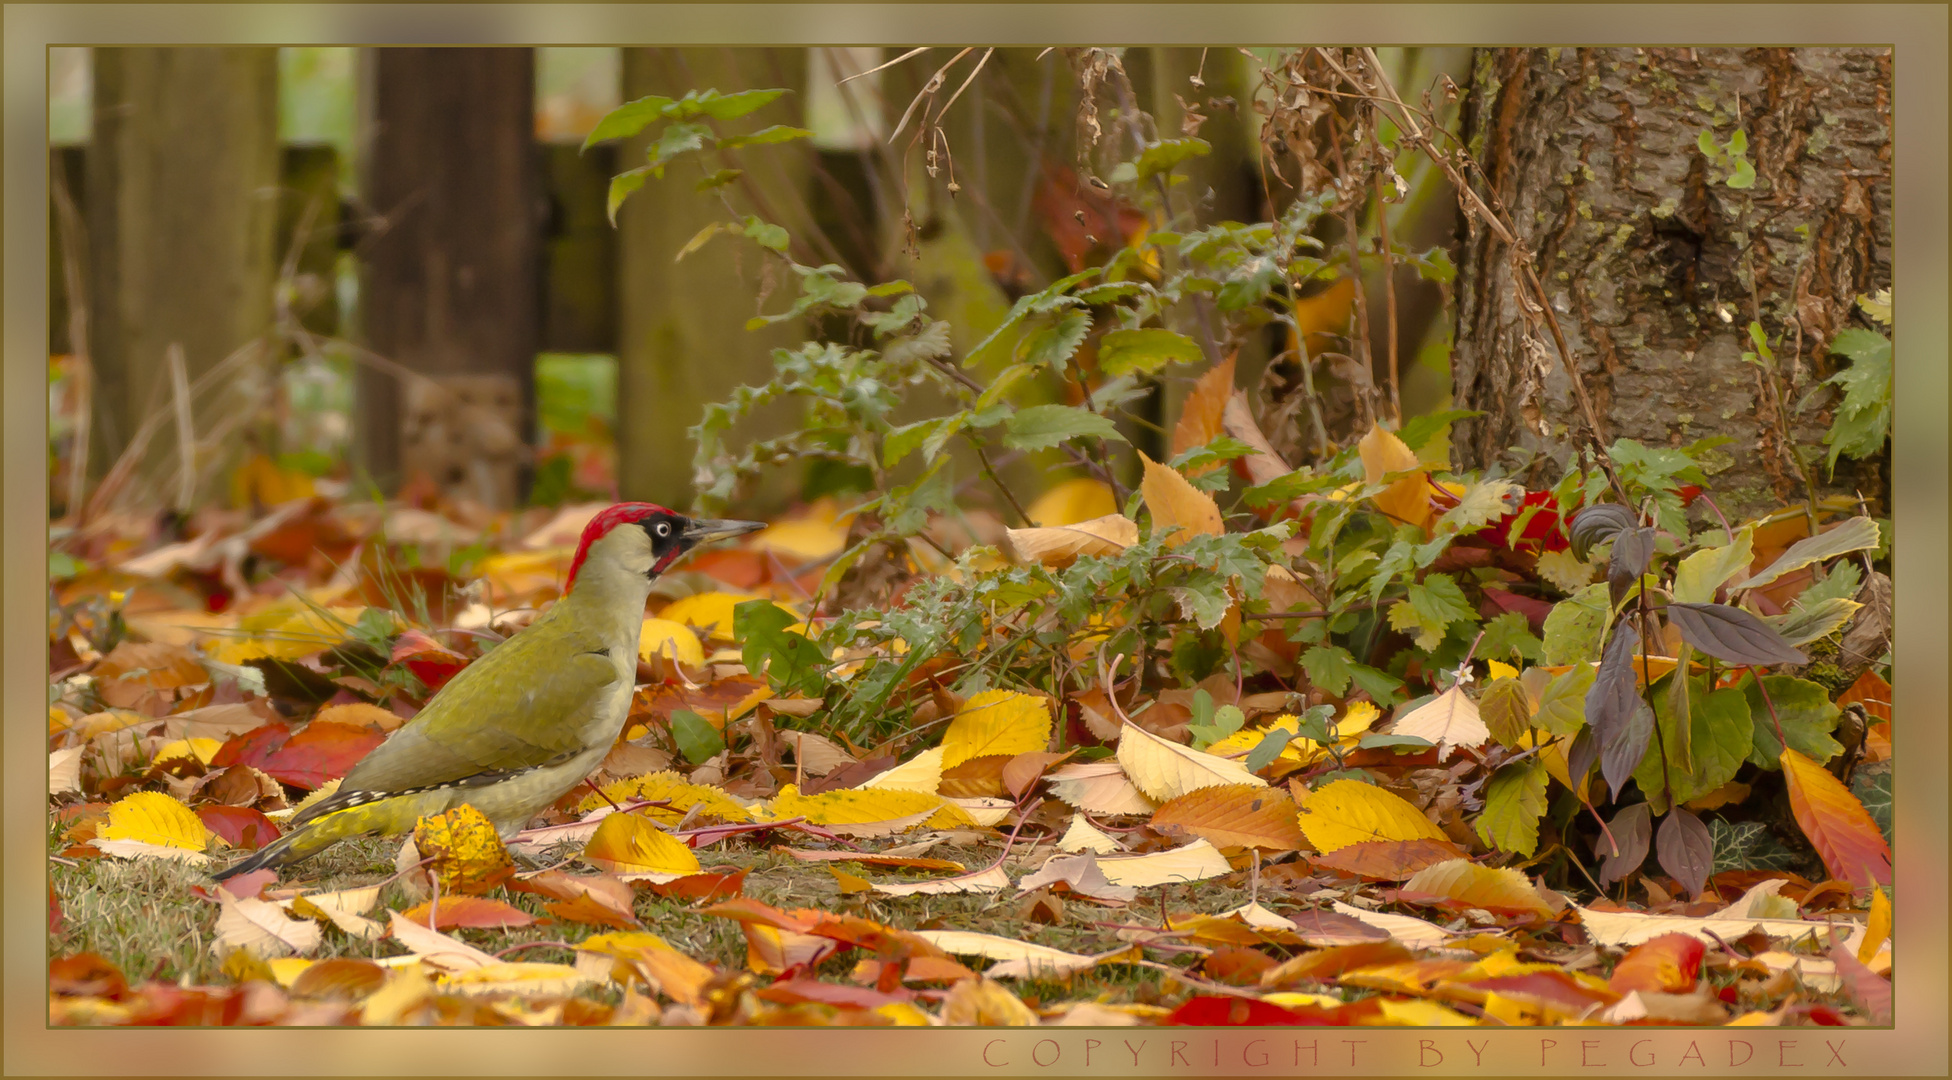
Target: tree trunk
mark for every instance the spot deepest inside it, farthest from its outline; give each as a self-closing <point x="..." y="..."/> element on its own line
<point x="681" y="328"/>
<point x="451" y="281"/>
<point x="180" y="195"/>
<point x="1655" y="265"/>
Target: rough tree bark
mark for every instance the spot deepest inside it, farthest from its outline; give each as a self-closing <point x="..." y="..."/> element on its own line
<point x="1655" y="265"/>
<point x="181" y="202"/>
<point x="450" y="287"/>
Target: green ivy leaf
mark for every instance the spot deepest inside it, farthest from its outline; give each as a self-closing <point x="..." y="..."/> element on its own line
<point x="791" y="661"/>
<point x="1506" y="711"/>
<point x="1510" y="635"/>
<point x="1268" y="748"/>
<point x="1125" y="352"/>
<point x="1040" y="426"/>
<point x="1574" y="627"/>
<point x="621" y="187"/>
<point x="766" y="136"/>
<point x="1227" y="719"/>
<point x="1167" y="153"/>
<point x="1720" y="739"/>
<point x="1514" y="801"/>
<point x="1806" y="713"/>
<point x="902" y="441"/>
<point x="1698" y="576"/>
<point x="628" y="119"/>
<point x="697" y="739"/>
<point x="729" y="106"/>
<point x="718" y="179"/>
<point x="1440" y="601"/>
<point x="1562" y="704"/>
<point x="1204" y="600"/>
<point x="678" y="139"/>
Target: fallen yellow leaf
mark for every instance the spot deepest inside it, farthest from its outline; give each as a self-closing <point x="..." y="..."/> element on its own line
<point x="996" y="722"/>
<point x="152" y="817"/>
<point x="629" y="845"/>
<point x="1166" y="770"/>
<point x="671" y="640"/>
<point x="1078" y="499"/>
<point x="1178" y="508"/>
<point x="1349" y="812"/>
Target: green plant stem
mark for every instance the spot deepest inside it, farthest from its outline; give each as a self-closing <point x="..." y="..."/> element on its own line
<point x="1781" y="739"/>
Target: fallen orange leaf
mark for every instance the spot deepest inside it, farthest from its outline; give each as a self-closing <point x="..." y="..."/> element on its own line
<point x="1836" y="823"/>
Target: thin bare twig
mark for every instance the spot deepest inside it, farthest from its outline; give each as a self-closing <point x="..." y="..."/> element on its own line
<point x="886" y="66"/>
<point x="927" y="91"/>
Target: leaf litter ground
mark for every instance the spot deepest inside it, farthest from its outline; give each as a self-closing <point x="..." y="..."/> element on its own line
<point x="1165" y="879"/>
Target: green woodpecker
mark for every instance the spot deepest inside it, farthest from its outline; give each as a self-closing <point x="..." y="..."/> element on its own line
<point x="520" y="727"/>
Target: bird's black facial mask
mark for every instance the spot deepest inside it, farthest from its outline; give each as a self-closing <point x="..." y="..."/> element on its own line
<point x="672" y="536"/>
<point x="667" y="533"/>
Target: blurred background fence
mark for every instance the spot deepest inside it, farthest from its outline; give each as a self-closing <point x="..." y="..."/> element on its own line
<point x="394" y="269"/>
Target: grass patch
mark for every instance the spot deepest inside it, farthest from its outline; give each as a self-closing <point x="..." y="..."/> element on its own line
<point x="142" y="917"/>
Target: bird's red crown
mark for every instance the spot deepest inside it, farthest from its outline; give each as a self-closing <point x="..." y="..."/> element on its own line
<point x="610" y="517"/>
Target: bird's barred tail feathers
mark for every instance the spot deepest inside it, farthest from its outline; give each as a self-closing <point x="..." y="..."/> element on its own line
<point x="308" y="839"/>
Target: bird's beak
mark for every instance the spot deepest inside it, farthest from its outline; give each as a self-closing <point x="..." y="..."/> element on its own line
<point x="700" y="530"/>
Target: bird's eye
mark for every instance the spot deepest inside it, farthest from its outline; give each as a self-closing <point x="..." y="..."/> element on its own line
<point x="663" y="528"/>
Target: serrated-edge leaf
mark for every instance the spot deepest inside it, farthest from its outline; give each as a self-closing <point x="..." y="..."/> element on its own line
<point x="1163" y="769"/>
<point x="1041" y="426"/>
<point x="1514" y="801"/>
<point x="1835" y="823"/>
<point x="1144" y="351"/>
<point x="1506" y="711"/>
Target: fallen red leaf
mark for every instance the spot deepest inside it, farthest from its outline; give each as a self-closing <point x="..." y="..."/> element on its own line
<point x="747" y="910"/>
<point x="86" y="975"/>
<point x="1667" y="964"/>
<point x="252" y="747"/>
<point x="325" y="750"/>
<point x="474" y="912"/>
<point x="1213" y="1011"/>
<point x="705" y="887"/>
<point x="1386" y="860"/>
<point x="240" y="826"/>
<point x="800" y="990"/>
<point x="1236" y="966"/>
<point x="430" y="661"/>
<point x="591" y="910"/>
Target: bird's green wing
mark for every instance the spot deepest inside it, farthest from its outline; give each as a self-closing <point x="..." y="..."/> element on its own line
<point x="521" y="706"/>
